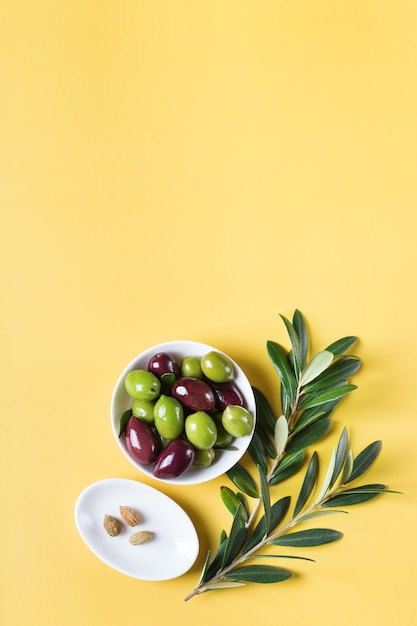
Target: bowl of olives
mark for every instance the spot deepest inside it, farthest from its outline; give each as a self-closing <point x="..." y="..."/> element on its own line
<point x="183" y="412"/>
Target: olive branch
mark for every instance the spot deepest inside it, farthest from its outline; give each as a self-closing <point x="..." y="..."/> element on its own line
<point x="310" y="390"/>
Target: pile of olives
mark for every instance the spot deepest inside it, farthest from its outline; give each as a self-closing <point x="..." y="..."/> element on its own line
<point x="183" y="411"/>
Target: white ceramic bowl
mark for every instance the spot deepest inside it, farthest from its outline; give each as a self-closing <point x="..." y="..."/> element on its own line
<point x="225" y="458"/>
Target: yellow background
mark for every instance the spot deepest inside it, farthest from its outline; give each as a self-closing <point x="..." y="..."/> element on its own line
<point x="186" y="169"/>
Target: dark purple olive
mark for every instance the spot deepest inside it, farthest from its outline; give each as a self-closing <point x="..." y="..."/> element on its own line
<point x="193" y="393"/>
<point x="227" y="393"/>
<point x="174" y="459"/>
<point x="141" y="442"/>
<point x="163" y="363"/>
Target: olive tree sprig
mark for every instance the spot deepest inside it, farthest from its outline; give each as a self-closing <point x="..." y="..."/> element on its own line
<point x="310" y="391"/>
<point x="228" y="567"/>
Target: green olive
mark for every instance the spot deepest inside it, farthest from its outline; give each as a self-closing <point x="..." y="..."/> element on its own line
<point x="191" y="366"/>
<point x="237" y="420"/>
<point x="204" y="458"/>
<point x="224" y="439"/>
<point x="143" y="409"/>
<point x="142" y="385"/>
<point x="217" y="367"/>
<point x="200" y="430"/>
<point x="168" y="416"/>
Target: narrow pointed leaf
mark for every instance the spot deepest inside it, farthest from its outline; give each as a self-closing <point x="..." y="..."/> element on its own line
<point x="355" y="496"/>
<point x="321" y="513"/>
<point x="327" y="396"/>
<point x="232" y="502"/>
<point x="336" y="373"/>
<point x="205" y="567"/>
<point x="278" y="512"/>
<point x="309" y="419"/>
<point x="259" y="574"/>
<point x="215" y="564"/>
<point x="308" y="538"/>
<point x="264" y="413"/>
<point x="280" y="556"/>
<point x="317" y="365"/>
<point x="243" y="480"/>
<point x="279" y="360"/>
<point x="289" y="466"/>
<point x="347" y="470"/>
<point x="302" y="333"/>
<point x="266" y="499"/>
<point x="327" y="479"/>
<point x="341" y="345"/>
<point x="257" y="452"/>
<point x="124" y="418"/>
<point x="309" y="435"/>
<point x="341" y="454"/>
<point x="296" y="347"/>
<point x="364" y="460"/>
<point x="281" y="434"/>
<point x="308" y="483"/>
<point x="236" y="538"/>
<point x="285" y="402"/>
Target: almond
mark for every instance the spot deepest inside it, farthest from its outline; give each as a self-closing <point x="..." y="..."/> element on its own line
<point x="130" y="516"/>
<point x="111" y="525"/>
<point x="143" y="536"/>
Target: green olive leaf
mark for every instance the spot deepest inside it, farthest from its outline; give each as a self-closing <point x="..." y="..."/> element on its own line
<point x="301" y="330"/>
<point x="236" y="537"/>
<point x="124" y="418"/>
<point x="264" y="413"/>
<point x="308" y="538"/>
<point x="341" y="455"/>
<point x="266" y="498"/>
<point x="281" y="435"/>
<point x="341" y="345"/>
<point x="213" y="566"/>
<point x="326" y="396"/>
<point x="232" y="501"/>
<point x="309" y="482"/>
<point x="295" y="355"/>
<point x="309" y="435"/>
<point x="257" y="452"/>
<point x="347" y="469"/>
<point x="243" y="480"/>
<point x="335" y="374"/>
<point x="278" y="512"/>
<point x="317" y="365"/>
<point x="259" y="574"/>
<point x="288" y="466"/>
<point x="356" y="495"/>
<point x="279" y="359"/>
<point x="167" y="380"/>
<point x="364" y="460"/>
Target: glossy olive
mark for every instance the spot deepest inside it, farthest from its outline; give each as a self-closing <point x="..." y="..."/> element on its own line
<point x="174" y="459"/>
<point x="142" y="385"/>
<point x="168" y="416"/>
<point x="201" y="430"/>
<point x="163" y="363"/>
<point x="224" y="439"/>
<point x="217" y="367"/>
<point x="141" y="442"/>
<point x="191" y="366"/>
<point x="204" y="458"/>
<point x="193" y="393"/>
<point x="227" y="393"/>
<point x="237" y="421"/>
<point x="143" y="409"/>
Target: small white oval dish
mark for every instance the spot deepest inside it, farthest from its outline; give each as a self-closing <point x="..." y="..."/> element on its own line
<point x="171" y="552"/>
